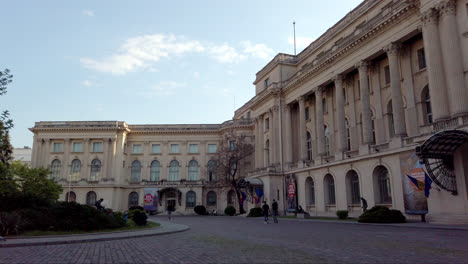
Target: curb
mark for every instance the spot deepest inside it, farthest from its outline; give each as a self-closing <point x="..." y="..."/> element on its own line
<point x="96" y="239"/>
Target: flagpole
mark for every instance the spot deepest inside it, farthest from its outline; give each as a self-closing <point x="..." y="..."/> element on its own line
<point x="294" y="30"/>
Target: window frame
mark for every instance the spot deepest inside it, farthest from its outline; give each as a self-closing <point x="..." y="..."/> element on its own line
<point x="98" y="149"/>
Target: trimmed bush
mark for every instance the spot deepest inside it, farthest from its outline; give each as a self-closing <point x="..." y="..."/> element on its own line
<point x="11" y="223"/>
<point x="200" y="210"/>
<point x="136" y="207"/>
<point x="381" y="214"/>
<point x="230" y="210"/>
<point x="255" y="212"/>
<point x="342" y="214"/>
<point x="139" y="217"/>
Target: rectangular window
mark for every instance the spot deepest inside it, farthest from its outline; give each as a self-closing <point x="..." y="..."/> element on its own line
<point x="267" y="123"/>
<point x="156" y="148"/>
<point x="345" y="98"/>
<point x="212" y="148"/>
<point x="136" y="148"/>
<point x="267" y="82"/>
<point x="324" y="105"/>
<point x="77" y="147"/>
<point x="232" y="145"/>
<point x="387" y="75"/>
<point x="421" y="59"/>
<point x="58" y="147"/>
<point x="307" y="116"/>
<point x="193" y="148"/>
<point x="174" y="148"/>
<point x="97" y="146"/>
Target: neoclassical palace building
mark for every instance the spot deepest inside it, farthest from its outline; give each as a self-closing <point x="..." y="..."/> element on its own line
<point x="376" y="108"/>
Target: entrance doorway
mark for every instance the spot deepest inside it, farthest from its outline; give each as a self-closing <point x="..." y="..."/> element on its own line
<point x="171" y="203"/>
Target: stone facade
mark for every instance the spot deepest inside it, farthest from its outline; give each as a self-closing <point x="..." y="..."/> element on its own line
<point x="340" y="117"/>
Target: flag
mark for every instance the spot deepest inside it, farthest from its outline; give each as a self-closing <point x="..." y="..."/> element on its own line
<point x="419" y="184"/>
<point x="258" y="194"/>
<point x="243" y="196"/>
<point x="427" y="184"/>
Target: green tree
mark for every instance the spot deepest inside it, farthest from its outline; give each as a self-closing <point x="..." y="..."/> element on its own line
<point x="6" y="123"/>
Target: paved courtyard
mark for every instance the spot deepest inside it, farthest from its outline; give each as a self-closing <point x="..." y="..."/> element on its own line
<point x="246" y="240"/>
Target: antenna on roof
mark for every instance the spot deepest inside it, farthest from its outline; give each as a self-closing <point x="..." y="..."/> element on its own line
<point x="294" y="29"/>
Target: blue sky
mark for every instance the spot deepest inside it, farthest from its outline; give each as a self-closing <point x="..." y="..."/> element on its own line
<point x="146" y="62"/>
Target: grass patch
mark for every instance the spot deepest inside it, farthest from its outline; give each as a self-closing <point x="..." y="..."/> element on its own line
<point x="129" y="227"/>
<point x="320" y="218"/>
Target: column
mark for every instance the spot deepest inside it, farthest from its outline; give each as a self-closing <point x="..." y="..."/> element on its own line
<point x="274" y="143"/>
<point x="66" y="159"/>
<point x="340" y="114"/>
<point x="392" y="51"/>
<point x="365" y="104"/>
<point x="302" y="130"/>
<point x="319" y="119"/>
<point x="287" y="139"/>
<point x="435" y="70"/>
<point x="261" y="145"/>
<point x="452" y="57"/>
<point x="257" y="144"/>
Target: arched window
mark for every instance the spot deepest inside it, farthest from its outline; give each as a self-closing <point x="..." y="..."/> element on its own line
<point x="329" y="190"/>
<point x="191" y="199"/>
<point x="391" y="124"/>
<point x="211" y="170"/>
<point x="55" y="168"/>
<point x="427" y="109"/>
<point x="133" y="199"/>
<point x="75" y="169"/>
<point x="95" y="169"/>
<point x="155" y="170"/>
<point x="383" y="185"/>
<point x="91" y="198"/>
<point x="173" y="170"/>
<point x="352" y="181"/>
<point x="310" y="191"/>
<point x="70" y="197"/>
<point x="193" y="170"/>
<point x="136" y="171"/>
<point x="267" y="153"/>
<point x="211" y="198"/>
<point x="347" y="135"/>
<point x="327" y="141"/>
<point x="231" y="197"/>
<point x="309" y="146"/>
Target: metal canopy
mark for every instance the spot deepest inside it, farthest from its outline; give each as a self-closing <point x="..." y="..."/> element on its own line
<point x="170" y="189"/>
<point x="437" y="155"/>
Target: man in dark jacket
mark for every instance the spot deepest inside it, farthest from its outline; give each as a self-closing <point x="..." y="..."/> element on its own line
<point x="266" y="210"/>
<point x="98" y="204"/>
<point x="274" y="206"/>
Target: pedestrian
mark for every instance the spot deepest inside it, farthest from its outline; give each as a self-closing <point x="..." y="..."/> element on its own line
<point x="274" y="206"/>
<point x="98" y="205"/>
<point x="170" y="208"/>
<point x="125" y="217"/>
<point x="266" y="210"/>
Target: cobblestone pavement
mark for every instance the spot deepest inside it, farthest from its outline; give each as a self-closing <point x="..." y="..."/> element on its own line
<point x="246" y="240"/>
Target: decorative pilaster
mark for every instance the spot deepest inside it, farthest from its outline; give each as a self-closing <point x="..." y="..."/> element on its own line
<point x="435" y="69"/>
<point x="365" y="104"/>
<point x="452" y="58"/>
<point x="392" y="51"/>
<point x="302" y="130"/>
<point x="261" y="145"/>
<point x="287" y="143"/>
<point x="340" y="114"/>
<point x="319" y="119"/>
<point x="274" y="143"/>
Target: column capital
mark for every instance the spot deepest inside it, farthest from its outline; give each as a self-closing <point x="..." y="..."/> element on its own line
<point x="66" y="140"/>
<point x="301" y="99"/>
<point x="319" y="89"/>
<point x="448" y="7"/>
<point x="430" y="17"/>
<point x="362" y="65"/>
<point x="146" y="143"/>
<point x="392" y="49"/>
<point x="338" y="79"/>
<point x="274" y="109"/>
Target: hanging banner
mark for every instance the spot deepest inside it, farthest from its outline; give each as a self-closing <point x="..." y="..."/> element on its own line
<point x="150" y="199"/>
<point x="291" y="192"/>
<point x="415" y="184"/>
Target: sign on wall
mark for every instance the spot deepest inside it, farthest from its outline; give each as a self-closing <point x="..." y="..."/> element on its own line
<point x="416" y="184"/>
<point x="150" y="199"/>
<point x="291" y="192"/>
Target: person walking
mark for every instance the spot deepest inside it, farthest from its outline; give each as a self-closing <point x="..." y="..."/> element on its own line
<point x="266" y="210"/>
<point x="99" y="205"/>
<point x="170" y="208"/>
<point x="274" y="206"/>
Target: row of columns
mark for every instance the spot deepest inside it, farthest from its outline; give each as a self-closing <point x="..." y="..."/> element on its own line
<point x="444" y="63"/>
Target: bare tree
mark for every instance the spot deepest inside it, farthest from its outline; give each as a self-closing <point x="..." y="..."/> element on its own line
<point x="230" y="161"/>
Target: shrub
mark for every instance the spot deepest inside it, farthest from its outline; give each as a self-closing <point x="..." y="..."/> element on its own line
<point x="381" y="214"/>
<point x="255" y="212"/>
<point x="136" y="207"/>
<point x="230" y="210"/>
<point x="139" y="217"/>
<point x="200" y="210"/>
<point x="342" y="214"/>
<point x="36" y="219"/>
<point x="10" y="223"/>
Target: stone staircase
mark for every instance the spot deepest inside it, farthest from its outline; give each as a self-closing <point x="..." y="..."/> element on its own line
<point x="448" y="219"/>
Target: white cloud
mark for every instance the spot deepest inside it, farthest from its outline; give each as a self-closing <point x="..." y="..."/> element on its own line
<point x="226" y="54"/>
<point x="88" y="12"/>
<point x="140" y="52"/>
<point x="164" y="88"/>
<point x="196" y="75"/>
<point x="301" y="42"/>
<point x="257" y="50"/>
<point x="87" y="83"/>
